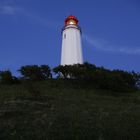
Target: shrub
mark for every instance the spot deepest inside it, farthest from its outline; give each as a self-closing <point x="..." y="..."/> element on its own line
<point x="99" y="77"/>
<point x="35" y="72"/>
<point x="7" y="78"/>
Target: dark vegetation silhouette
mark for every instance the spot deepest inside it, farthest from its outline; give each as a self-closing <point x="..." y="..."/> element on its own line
<point x="82" y="75"/>
<point x="72" y="105"/>
<point x="35" y="72"/>
<point x="7" y="78"/>
<point x="98" y="77"/>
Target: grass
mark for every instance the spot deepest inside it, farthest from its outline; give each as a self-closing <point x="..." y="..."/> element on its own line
<point x="59" y="110"/>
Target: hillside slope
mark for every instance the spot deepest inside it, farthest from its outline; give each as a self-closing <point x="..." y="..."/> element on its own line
<point x="56" y="110"/>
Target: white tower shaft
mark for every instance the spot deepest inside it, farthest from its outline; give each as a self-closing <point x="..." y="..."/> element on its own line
<point x="71" y="46"/>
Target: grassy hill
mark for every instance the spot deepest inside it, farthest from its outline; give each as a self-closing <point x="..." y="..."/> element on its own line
<point x="59" y="110"/>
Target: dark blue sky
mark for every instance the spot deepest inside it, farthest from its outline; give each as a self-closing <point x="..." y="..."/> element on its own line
<point x="30" y="32"/>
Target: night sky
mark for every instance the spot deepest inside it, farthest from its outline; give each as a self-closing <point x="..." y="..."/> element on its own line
<point x="30" y="32"/>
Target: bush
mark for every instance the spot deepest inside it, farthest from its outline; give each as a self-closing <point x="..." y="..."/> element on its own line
<point x="7" y="78"/>
<point x="99" y="77"/>
<point x="35" y="72"/>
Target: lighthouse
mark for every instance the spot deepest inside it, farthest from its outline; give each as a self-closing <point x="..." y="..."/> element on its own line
<point x="71" y="52"/>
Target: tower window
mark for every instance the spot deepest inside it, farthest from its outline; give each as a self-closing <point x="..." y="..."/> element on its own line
<point x="64" y="36"/>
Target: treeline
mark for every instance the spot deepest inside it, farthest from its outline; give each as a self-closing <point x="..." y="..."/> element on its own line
<point x="85" y="75"/>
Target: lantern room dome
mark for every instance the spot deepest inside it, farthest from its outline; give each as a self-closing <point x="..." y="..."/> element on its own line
<point x="71" y="20"/>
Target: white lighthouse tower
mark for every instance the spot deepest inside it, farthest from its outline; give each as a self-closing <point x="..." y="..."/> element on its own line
<point x="71" y="42"/>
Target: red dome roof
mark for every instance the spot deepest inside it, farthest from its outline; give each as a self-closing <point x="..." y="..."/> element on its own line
<point x="71" y="18"/>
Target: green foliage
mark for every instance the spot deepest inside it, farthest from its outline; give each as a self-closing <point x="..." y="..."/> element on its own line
<point x="99" y="77"/>
<point x="35" y="72"/>
<point x="83" y="75"/>
<point x="46" y="71"/>
<point x="137" y="78"/>
<point x="7" y="78"/>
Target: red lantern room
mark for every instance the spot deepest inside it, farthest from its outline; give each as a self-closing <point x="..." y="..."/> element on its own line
<point x="71" y="20"/>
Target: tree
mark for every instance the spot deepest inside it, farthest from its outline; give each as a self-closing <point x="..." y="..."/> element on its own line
<point x="137" y="78"/>
<point x="35" y="72"/>
<point x="46" y="71"/>
<point x="61" y="71"/>
<point x="99" y="77"/>
<point x="6" y="77"/>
